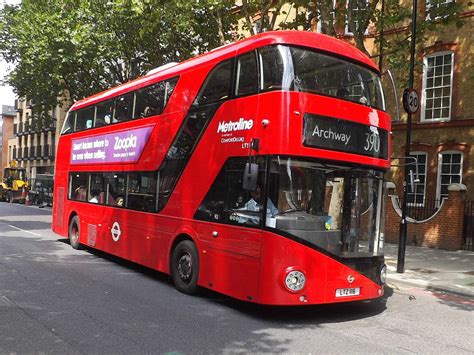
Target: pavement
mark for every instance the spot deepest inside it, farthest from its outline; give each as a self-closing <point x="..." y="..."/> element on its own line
<point x="432" y="269"/>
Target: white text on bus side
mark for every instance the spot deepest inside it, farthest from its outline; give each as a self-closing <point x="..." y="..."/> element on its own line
<point x="239" y="125"/>
<point x="124" y="143"/>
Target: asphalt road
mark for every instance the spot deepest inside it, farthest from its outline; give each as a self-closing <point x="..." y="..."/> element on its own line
<point x="54" y="299"/>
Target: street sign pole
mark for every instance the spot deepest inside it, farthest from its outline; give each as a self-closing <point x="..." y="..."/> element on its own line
<point x="403" y="223"/>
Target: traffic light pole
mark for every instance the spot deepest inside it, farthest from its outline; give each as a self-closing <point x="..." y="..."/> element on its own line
<point x="403" y="223"/>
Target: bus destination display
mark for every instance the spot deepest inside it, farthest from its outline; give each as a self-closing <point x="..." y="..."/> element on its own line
<point x="344" y="136"/>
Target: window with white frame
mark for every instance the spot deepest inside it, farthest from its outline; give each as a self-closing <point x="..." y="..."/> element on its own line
<point x="356" y="13"/>
<point x="449" y="171"/>
<point x="331" y="17"/>
<point x="436" y="9"/>
<point x="437" y="86"/>
<point x="417" y="190"/>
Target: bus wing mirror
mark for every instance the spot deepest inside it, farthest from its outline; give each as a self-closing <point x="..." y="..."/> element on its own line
<point x="250" y="178"/>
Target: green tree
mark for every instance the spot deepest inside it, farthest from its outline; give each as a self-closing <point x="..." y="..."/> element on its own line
<point x="440" y="17"/>
<point x="354" y="16"/>
<point x="74" y="48"/>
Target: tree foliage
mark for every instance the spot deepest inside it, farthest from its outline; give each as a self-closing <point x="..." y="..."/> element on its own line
<point x="74" y="48"/>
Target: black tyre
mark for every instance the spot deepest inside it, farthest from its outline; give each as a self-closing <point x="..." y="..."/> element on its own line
<point x="74" y="232"/>
<point x="185" y="267"/>
<point x="9" y="197"/>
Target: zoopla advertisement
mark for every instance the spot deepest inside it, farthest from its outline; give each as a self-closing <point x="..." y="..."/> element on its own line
<point x="116" y="147"/>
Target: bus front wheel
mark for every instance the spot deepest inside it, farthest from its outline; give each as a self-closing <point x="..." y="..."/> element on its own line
<point x="74" y="232"/>
<point x="185" y="267"/>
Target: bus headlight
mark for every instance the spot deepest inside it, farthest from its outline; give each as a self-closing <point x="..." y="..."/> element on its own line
<point x="295" y="280"/>
<point x="383" y="274"/>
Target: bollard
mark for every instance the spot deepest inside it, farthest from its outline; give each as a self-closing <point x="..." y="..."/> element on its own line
<point x="26" y="196"/>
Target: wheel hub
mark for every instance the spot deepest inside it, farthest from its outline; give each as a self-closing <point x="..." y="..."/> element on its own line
<point x="185" y="264"/>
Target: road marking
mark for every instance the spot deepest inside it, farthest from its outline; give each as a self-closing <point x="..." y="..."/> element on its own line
<point x="36" y="234"/>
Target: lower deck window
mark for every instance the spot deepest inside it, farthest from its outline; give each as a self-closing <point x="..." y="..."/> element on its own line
<point x="135" y="190"/>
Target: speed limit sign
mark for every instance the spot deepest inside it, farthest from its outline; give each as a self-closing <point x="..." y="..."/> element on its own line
<point x="411" y="102"/>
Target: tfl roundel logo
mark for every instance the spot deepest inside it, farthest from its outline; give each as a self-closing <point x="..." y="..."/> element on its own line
<point x="116" y="232"/>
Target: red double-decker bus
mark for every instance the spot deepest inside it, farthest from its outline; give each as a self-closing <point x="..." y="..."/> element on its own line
<point x="255" y="170"/>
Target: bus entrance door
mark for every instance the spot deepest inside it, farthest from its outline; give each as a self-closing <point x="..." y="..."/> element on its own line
<point x="230" y="254"/>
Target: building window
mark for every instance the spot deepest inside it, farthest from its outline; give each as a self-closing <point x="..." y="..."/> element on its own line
<point x="356" y="15"/>
<point x="449" y="171"/>
<point x="436" y="9"/>
<point x="437" y="87"/>
<point x="416" y="190"/>
<point x="329" y="18"/>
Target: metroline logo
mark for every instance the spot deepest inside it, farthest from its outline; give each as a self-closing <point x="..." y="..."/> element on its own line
<point x="231" y="126"/>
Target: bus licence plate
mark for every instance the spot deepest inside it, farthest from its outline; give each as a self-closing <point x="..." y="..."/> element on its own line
<point x="345" y="292"/>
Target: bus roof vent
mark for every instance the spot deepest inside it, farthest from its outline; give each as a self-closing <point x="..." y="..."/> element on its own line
<point x="162" y="67"/>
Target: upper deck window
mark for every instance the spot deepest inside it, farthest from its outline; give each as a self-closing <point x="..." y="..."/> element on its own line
<point x="247" y="75"/>
<point x="69" y="123"/>
<point x="321" y="74"/>
<point x="105" y="111"/>
<point x="152" y="100"/>
<point x="123" y="108"/>
<point x="217" y="85"/>
<point x="145" y="102"/>
<point x="84" y="119"/>
<point x="276" y="67"/>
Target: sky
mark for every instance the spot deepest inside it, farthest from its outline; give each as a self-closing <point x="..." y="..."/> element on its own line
<point x="7" y="97"/>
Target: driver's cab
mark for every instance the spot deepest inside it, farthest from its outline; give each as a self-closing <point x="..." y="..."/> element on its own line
<point x="336" y="208"/>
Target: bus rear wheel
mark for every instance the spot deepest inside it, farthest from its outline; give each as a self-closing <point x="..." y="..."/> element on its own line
<point x="185" y="267"/>
<point x="74" y="232"/>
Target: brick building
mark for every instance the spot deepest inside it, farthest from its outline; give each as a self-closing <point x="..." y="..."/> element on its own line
<point x="7" y="116"/>
<point x="442" y="138"/>
<point x="443" y="130"/>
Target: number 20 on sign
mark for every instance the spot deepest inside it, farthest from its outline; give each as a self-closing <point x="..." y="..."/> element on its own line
<point x="411" y="102"/>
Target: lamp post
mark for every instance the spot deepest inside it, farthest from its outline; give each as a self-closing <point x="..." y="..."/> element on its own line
<point x="403" y="223"/>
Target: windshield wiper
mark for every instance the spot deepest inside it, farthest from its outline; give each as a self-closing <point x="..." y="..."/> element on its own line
<point x="290" y="210"/>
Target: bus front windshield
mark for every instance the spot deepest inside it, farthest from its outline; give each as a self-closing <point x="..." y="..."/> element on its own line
<point x="336" y="208"/>
<point x="307" y="70"/>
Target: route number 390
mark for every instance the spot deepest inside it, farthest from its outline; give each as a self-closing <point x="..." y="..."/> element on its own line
<point x="372" y="142"/>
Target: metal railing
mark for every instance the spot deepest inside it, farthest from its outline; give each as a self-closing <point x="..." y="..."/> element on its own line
<point x="424" y="211"/>
<point x="468" y="227"/>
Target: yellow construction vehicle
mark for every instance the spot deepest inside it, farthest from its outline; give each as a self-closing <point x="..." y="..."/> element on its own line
<point x="15" y="184"/>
